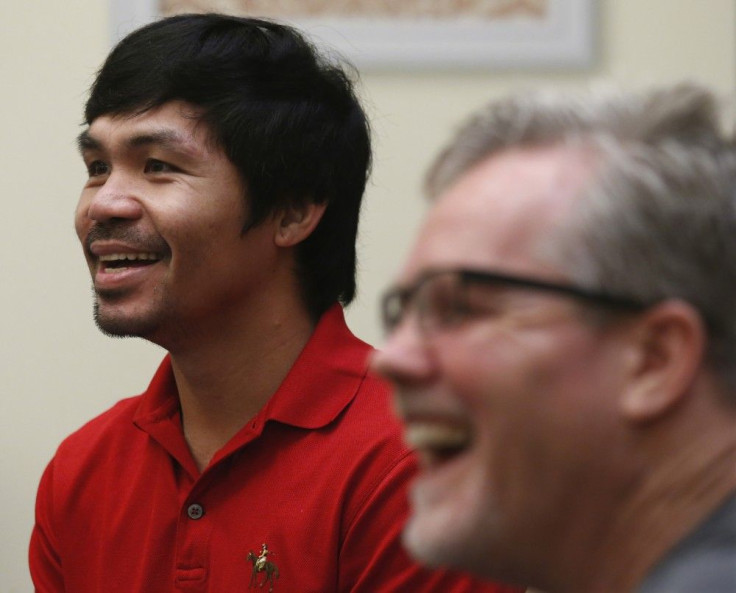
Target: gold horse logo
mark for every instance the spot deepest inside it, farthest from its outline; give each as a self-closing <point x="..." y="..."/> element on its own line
<point x="261" y="565"/>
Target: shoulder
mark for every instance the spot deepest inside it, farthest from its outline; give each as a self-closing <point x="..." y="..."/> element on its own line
<point x="115" y="425"/>
<point x="704" y="561"/>
<point x="371" y="423"/>
<point x="85" y="459"/>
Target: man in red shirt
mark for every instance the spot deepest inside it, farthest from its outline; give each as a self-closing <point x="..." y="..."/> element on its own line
<point x="226" y="165"/>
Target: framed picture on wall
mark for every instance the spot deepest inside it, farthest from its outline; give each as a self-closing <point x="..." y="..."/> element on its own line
<point x="414" y="34"/>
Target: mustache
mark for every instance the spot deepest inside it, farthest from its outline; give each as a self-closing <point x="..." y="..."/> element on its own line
<point x="125" y="233"/>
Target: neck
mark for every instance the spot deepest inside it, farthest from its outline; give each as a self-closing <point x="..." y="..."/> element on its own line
<point x="692" y="478"/>
<point x="226" y="374"/>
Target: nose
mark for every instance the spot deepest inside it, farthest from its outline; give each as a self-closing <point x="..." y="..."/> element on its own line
<point x="116" y="198"/>
<point x="405" y="358"/>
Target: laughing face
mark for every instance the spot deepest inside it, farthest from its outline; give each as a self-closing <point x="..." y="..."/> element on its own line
<point x="506" y="408"/>
<point x="160" y="220"/>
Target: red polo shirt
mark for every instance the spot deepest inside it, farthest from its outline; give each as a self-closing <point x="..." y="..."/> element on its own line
<point x="318" y="476"/>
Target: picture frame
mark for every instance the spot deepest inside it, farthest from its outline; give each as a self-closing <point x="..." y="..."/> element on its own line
<point x="562" y="38"/>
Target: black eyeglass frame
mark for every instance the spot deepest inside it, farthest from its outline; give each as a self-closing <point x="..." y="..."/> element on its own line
<point x="401" y="295"/>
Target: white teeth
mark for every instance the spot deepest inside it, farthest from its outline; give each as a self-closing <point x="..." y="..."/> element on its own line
<point x="434" y="435"/>
<point x="129" y="257"/>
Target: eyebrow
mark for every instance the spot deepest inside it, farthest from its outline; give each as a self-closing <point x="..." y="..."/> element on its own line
<point x="85" y="141"/>
<point x="165" y="138"/>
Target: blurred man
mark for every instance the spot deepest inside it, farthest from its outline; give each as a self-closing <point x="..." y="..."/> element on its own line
<point x="562" y="339"/>
<point x="226" y="164"/>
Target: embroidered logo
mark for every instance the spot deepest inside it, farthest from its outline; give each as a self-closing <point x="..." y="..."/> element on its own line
<point x="262" y="565"/>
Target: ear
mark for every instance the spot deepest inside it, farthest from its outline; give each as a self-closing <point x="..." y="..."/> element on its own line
<point x="296" y="223"/>
<point x="668" y="351"/>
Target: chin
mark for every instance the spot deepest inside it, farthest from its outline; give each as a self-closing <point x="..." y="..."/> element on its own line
<point x="425" y="548"/>
<point x="455" y="532"/>
<point x="120" y="326"/>
<point x="438" y="536"/>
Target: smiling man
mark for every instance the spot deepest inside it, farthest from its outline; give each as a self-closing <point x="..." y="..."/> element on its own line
<point x="562" y="339"/>
<point x="226" y="165"/>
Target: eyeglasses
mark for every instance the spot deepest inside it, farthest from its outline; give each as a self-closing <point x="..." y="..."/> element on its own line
<point x="444" y="298"/>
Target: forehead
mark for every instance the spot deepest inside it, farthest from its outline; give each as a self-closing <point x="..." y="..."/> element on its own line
<point x="174" y="124"/>
<point x="503" y="213"/>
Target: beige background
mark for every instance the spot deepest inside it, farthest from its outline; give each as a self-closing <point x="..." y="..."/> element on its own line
<point x="57" y="371"/>
<point x="367" y="8"/>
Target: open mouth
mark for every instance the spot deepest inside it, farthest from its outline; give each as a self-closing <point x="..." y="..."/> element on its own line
<point x="114" y="263"/>
<point x="437" y="442"/>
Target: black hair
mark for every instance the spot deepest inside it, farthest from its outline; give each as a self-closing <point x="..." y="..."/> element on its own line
<point x="285" y="115"/>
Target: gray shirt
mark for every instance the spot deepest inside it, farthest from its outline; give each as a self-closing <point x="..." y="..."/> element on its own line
<point x="704" y="562"/>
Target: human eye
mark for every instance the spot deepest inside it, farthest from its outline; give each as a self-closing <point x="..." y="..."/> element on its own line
<point x="97" y="168"/>
<point x="455" y="298"/>
<point x="484" y="299"/>
<point x="393" y="308"/>
<point x="157" y="166"/>
<point x="441" y="303"/>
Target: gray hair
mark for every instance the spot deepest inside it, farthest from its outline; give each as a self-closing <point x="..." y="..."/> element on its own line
<point x="659" y="219"/>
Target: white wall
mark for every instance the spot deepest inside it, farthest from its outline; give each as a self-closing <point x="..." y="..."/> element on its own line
<point x="56" y="371"/>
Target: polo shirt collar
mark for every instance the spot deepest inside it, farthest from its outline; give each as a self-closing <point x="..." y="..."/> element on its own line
<point x="321" y="383"/>
<point x="325" y="377"/>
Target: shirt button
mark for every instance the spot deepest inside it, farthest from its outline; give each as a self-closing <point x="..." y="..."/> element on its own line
<point x="195" y="511"/>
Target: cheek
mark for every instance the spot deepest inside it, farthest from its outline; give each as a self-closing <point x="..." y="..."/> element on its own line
<point x="523" y="390"/>
<point x="500" y="385"/>
<point x="81" y="220"/>
<point x="486" y="372"/>
<point x="218" y="221"/>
